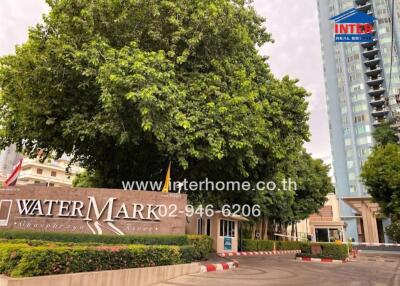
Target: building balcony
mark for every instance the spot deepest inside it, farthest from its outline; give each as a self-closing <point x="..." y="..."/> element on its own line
<point x="370" y="53"/>
<point x="364" y="7"/>
<point x="377" y="101"/>
<point x="379" y="111"/>
<point x="26" y="177"/>
<point x="372" y="62"/>
<point x="376" y="81"/>
<point x="377" y="91"/>
<point x="373" y="72"/>
<point x="369" y="44"/>
<point x="379" y="121"/>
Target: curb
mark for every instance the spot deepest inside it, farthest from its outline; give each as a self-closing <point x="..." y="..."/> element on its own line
<point x="320" y="260"/>
<point x="249" y="253"/>
<point x="219" y="266"/>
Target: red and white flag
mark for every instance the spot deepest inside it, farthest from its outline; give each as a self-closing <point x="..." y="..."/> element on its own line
<point x="12" y="179"/>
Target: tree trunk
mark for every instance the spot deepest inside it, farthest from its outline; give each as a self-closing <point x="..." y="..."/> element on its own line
<point x="293" y="229"/>
<point x="265" y="234"/>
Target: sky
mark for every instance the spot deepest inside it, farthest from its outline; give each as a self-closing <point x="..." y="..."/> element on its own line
<point x="296" y="51"/>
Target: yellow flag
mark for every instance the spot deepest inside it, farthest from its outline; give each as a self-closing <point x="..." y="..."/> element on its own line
<point x="167" y="179"/>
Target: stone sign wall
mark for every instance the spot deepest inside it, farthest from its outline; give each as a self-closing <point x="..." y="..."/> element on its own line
<point x="87" y="210"/>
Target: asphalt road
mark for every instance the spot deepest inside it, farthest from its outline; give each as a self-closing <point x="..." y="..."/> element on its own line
<point x="369" y="269"/>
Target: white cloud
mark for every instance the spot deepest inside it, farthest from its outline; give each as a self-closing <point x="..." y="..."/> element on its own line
<point x="16" y="16"/>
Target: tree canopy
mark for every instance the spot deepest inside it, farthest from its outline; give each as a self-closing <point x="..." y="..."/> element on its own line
<point x="385" y="134"/>
<point x="124" y="87"/>
<point x="381" y="174"/>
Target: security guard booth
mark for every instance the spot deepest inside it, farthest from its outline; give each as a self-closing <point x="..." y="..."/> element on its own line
<point x="224" y="230"/>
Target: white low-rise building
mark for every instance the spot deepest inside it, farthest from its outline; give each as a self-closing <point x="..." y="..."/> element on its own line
<point x="51" y="172"/>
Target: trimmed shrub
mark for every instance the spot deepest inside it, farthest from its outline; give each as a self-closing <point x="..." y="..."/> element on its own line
<point x="258" y="245"/>
<point x="249" y="245"/>
<point x="291" y="245"/>
<point x="202" y="245"/>
<point x="189" y="254"/>
<point x="328" y="250"/>
<point x="25" y="261"/>
<point x="91" y="238"/>
<point x="393" y="231"/>
<point x="10" y="255"/>
<point x="305" y="248"/>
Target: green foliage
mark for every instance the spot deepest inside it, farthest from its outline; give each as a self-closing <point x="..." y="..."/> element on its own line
<point x="22" y="261"/>
<point x="385" y="134"/>
<point x="86" y="180"/>
<point x="258" y="245"/>
<point x="313" y="185"/>
<point x="381" y="174"/>
<point x="329" y="250"/>
<point x="202" y="246"/>
<point x="291" y="245"/>
<point x="10" y="255"/>
<point x="393" y="231"/>
<point x="292" y="203"/>
<point x="268" y="245"/>
<point x="126" y="86"/>
<point x="90" y="238"/>
<point x="305" y="248"/>
<point x="189" y="253"/>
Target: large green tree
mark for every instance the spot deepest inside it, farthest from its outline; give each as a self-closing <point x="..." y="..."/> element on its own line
<point x="303" y="186"/>
<point x="381" y="174"/>
<point x="126" y="86"/>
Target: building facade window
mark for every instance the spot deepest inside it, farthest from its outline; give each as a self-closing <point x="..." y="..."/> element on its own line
<point x="359" y="107"/>
<point x="199" y="227"/>
<point x="364" y="140"/>
<point x="39" y="171"/>
<point x="360" y="118"/>
<point x="350" y="164"/>
<point x="227" y="228"/>
<point x="362" y="129"/>
<point x="208" y="227"/>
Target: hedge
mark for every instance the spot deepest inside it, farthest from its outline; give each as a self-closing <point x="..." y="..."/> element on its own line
<point x="328" y="250"/>
<point x="202" y="245"/>
<point x="257" y="245"/>
<point x="291" y="245"/>
<point x="268" y="245"/>
<point x="90" y="238"/>
<point x="21" y="260"/>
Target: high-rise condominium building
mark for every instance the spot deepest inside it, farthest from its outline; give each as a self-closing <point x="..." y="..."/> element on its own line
<point x="360" y="97"/>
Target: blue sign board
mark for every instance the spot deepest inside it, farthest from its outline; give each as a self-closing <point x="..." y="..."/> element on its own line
<point x="353" y="26"/>
<point x="227" y="243"/>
